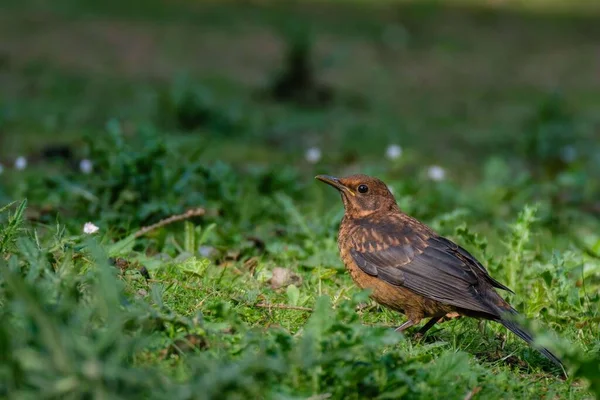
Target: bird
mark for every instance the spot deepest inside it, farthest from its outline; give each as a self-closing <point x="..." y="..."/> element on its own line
<point x="410" y="268"/>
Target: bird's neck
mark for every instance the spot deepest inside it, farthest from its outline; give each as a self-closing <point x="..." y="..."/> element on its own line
<point x="354" y="213"/>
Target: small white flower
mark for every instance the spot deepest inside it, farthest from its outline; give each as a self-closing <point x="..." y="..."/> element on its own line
<point x="568" y="154"/>
<point x="90" y="228"/>
<point x="21" y="163"/>
<point x="393" y="152"/>
<point x="313" y="155"/>
<point x="86" y="166"/>
<point x="436" y="173"/>
<point x="1" y="169"/>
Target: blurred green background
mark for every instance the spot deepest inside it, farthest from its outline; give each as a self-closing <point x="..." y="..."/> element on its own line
<point x="482" y="116"/>
<point x="456" y="82"/>
<point x="502" y="91"/>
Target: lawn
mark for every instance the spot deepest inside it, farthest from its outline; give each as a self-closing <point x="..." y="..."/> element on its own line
<point x="189" y="133"/>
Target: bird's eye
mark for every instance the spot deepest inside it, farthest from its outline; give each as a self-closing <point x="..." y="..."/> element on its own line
<point x="363" y="188"/>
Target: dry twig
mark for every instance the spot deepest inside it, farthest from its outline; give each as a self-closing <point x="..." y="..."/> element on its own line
<point x="282" y="306"/>
<point x="195" y="212"/>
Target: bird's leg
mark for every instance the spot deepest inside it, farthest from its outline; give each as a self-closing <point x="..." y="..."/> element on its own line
<point x="433" y="321"/>
<point x="427" y="326"/>
<point x="405" y="326"/>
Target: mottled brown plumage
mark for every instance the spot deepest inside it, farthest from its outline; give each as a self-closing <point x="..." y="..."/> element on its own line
<point x="410" y="268"/>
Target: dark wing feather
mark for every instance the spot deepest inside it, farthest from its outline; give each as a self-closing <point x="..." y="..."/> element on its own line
<point x="430" y="266"/>
<point x="473" y="261"/>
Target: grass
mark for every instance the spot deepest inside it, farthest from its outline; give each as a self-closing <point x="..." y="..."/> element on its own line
<point x="248" y="299"/>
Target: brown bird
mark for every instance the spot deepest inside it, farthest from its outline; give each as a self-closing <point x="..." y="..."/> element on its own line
<point x="410" y="268"/>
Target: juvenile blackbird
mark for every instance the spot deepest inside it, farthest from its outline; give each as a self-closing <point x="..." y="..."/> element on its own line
<point x="409" y="267"/>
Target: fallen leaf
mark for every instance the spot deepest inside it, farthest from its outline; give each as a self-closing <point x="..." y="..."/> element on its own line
<point x="283" y="277"/>
<point x="251" y="264"/>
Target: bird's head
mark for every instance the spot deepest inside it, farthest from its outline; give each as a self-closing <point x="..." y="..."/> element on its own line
<point x="362" y="195"/>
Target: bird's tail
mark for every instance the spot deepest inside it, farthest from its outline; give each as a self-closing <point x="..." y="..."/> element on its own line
<point x="507" y="320"/>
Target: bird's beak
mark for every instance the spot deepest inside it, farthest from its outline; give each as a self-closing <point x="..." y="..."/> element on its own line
<point x="335" y="182"/>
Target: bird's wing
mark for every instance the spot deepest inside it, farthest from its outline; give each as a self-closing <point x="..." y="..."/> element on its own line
<point x="472" y="261"/>
<point x="421" y="261"/>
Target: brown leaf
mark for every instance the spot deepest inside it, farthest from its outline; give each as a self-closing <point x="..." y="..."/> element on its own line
<point x="122" y="263"/>
<point x="283" y="277"/>
<point x="251" y="264"/>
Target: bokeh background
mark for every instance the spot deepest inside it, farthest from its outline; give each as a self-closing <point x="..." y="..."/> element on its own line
<point x="454" y="83"/>
<point x="504" y="92"/>
<point x="482" y="116"/>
